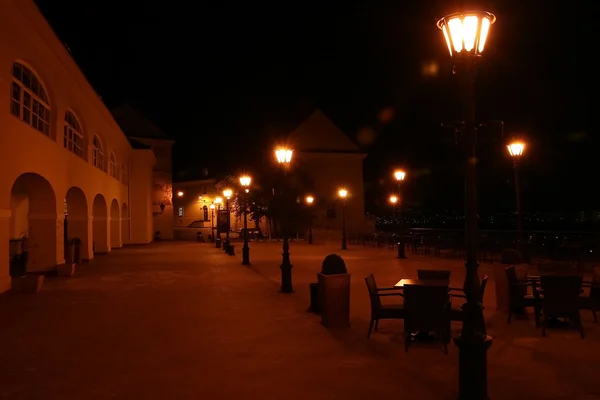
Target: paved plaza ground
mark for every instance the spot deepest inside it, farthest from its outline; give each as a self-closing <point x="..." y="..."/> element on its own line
<point x="181" y="320"/>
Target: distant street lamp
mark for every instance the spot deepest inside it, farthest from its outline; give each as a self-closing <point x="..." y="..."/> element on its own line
<point x="218" y="202"/>
<point x="399" y="175"/>
<point x="343" y="193"/>
<point x="309" y="202"/>
<point x="466" y="34"/>
<point x="393" y="201"/>
<point x="245" y="182"/>
<point x="516" y="149"/>
<point x="212" y="221"/>
<point x="227" y="193"/>
<point x="180" y="194"/>
<point x="284" y="158"/>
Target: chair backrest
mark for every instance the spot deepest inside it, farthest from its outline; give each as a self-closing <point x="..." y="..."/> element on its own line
<point x="433" y="274"/>
<point x="561" y="293"/>
<point x="373" y="295"/>
<point x="563" y="268"/>
<point x="515" y="291"/>
<point x="426" y="307"/>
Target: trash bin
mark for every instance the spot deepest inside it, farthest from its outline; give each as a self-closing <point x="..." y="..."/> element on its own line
<point x="218" y="243"/>
<point x="199" y="236"/>
<point x="231" y="250"/>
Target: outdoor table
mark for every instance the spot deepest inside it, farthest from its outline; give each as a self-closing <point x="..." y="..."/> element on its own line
<point x="422" y="282"/>
<point x="422" y="336"/>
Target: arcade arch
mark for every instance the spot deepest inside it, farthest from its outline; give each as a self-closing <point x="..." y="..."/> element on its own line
<point x="34" y="217"/>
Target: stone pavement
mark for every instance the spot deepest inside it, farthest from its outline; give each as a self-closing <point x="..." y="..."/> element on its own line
<point x="181" y="320"/>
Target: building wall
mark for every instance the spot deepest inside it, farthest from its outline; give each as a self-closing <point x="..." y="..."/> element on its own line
<point x="195" y="195"/>
<point x="40" y="177"/>
<point x="329" y="172"/>
<point x="162" y="181"/>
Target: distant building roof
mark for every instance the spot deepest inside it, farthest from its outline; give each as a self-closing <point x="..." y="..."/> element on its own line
<point x="317" y="133"/>
<point x="136" y="125"/>
<point x="137" y="145"/>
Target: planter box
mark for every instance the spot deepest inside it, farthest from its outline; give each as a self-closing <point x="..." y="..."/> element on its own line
<point x="66" y="270"/>
<point x="334" y="300"/>
<point x="31" y="283"/>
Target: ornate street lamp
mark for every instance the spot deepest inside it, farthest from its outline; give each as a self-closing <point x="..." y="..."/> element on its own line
<point x="284" y="158"/>
<point x="399" y="175"/>
<point x="227" y="194"/>
<point x="466" y="34"/>
<point x="343" y="193"/>
<point x="516" y="149"/>
<point x="245" y="182"/>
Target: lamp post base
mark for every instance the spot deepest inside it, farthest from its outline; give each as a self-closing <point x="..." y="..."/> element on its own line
<point x="245" y="254"/>
<point x="286" y="278"/>
<point x="472" y="367"/>
<point x="401" y="250"/>
<point x="344" y="246"/>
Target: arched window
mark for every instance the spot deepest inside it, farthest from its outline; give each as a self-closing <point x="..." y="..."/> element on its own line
<point x="98" y="154"/>
<point x="205" y="211"/>
<point x="73" y="134"/>
<point x="29" y="100"/>
<point x="114" y="171"/>
<point x="125" y="171"/>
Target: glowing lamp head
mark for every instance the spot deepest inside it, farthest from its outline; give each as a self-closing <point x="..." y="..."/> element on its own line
<point x="343" y="193"/>
<point x="284" y="155"/>
<point x="245" y="181"/>
<point x="399" y="175"/>
<point x="466" y="32"/>
<point x="393" y="199"/>
<point x="516" y="149"/>
<point x="227" y="193"/>
<point x="218" y="200"/>
<point x="180" y="194"/>
<point x="212" y="206"/>
<point x="310" y="199"/>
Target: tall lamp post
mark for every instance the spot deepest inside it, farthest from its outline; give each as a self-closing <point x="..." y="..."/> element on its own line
<point x="227" y="193"/>
<point x="245" y="182"/>
<point x="399" y="175"/>
<point x="212" y="221"/>
<point x="466" y="34"/>
<point x="343" y="193"/>
<point x="309" y="202"/>
<point x="516" y="149"/>
<point x="393" y="202"/>
<point x="218" y="202"/>
<point x="284" y="158"/>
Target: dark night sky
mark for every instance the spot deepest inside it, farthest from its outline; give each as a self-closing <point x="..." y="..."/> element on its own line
<point x="207" y="72"/>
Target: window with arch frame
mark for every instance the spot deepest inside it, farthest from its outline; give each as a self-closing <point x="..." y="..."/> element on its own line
<point x="114" y="170"/>
<point x="73" y="134"/>
<point x="98" y="154"/>
<point x="125" y="171"/>
<point x="29" y="100"/>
